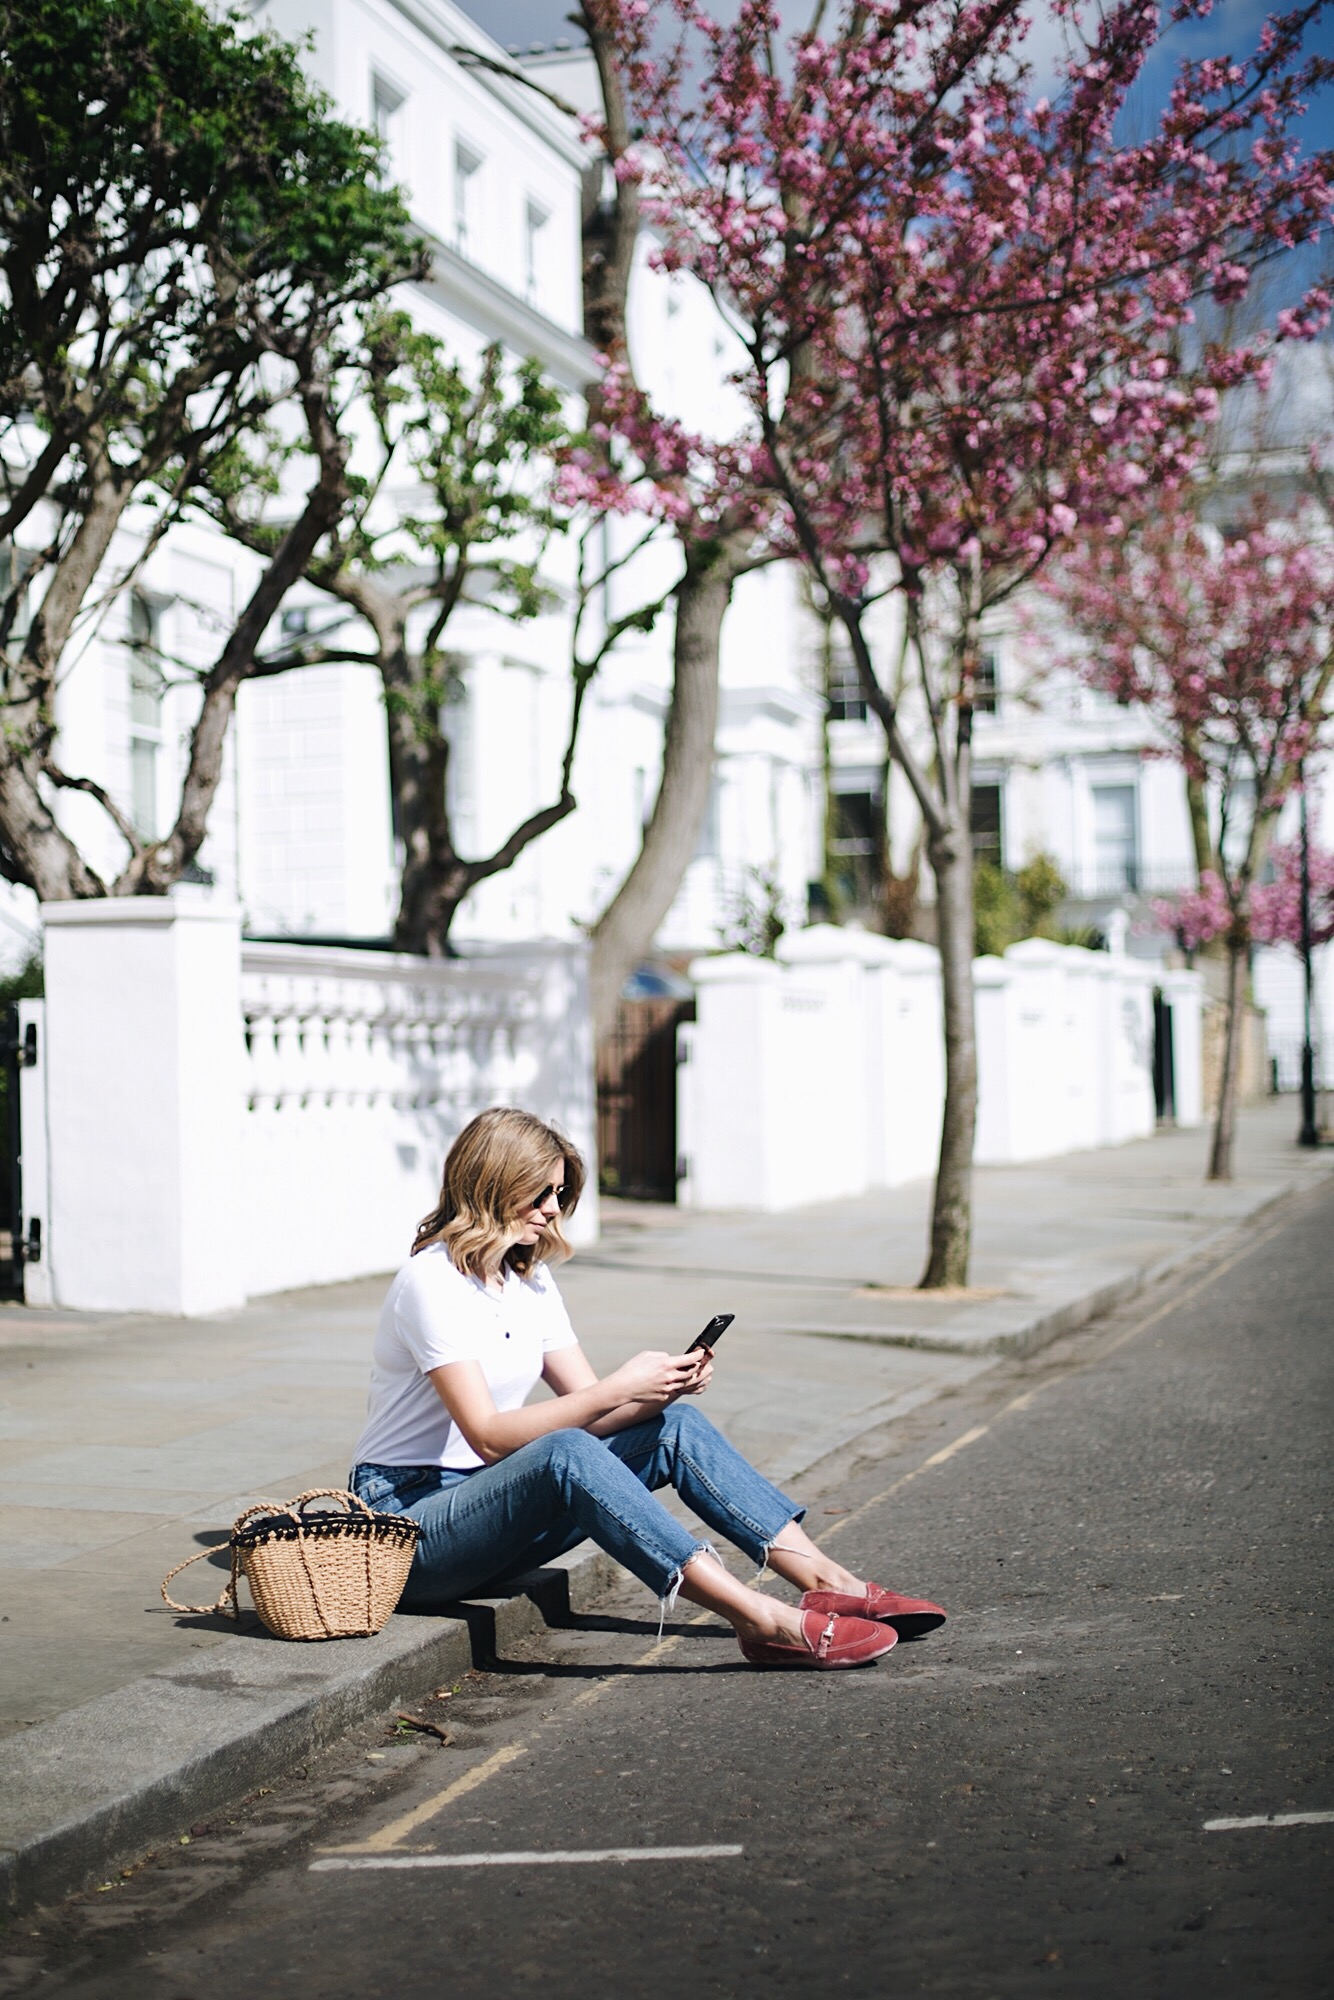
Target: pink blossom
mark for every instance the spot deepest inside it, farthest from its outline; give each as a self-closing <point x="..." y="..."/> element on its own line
<point x="1276" y="905"/>
<point x="1196" y="916"/>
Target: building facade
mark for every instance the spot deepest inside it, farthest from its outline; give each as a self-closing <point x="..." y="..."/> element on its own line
<point x="803" y="804"/>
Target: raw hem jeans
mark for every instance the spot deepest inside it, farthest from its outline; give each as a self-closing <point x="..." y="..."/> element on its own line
<point x="489" y="1526"/>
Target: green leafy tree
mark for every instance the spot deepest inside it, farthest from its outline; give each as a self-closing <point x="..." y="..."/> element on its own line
<point x="453" y="479"/>
<point x="184" y="228"/>
<point x="755" y="918"/>
<point x="995" y="910"/>
<point x="1008" y="907"/>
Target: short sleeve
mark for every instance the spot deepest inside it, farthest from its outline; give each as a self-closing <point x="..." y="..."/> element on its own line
<point x="439" y="1316"/>
<point x="556" y="1329"/>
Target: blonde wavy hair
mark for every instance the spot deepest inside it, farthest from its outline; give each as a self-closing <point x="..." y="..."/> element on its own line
<point x="495" y="1169"/>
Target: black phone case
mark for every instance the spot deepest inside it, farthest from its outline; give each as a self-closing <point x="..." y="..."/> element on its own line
<point x="712" y="1333"/>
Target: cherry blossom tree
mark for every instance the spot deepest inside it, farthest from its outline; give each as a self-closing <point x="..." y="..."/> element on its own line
<point x="1227" y="639"/>
<point x="1198" y="916"/>
<point x="968" y="322"/>
<point x="1276" y="912"/>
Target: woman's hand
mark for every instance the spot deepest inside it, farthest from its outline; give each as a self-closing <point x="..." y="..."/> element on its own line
<point x="703" y="1359"/>
<point x="655" y="1378"/>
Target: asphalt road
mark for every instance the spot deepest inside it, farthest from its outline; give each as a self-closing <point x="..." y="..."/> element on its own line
<point x="1130" y="1533"/>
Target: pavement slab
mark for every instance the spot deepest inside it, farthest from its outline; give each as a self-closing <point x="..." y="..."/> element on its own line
<point x="128" y="1443"/>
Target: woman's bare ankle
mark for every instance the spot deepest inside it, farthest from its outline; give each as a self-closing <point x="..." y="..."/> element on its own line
<point x="843" y="1581"/>
<point x="769" y="1619"/>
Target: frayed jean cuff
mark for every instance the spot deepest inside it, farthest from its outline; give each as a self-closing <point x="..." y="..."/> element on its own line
<point x="667" y="1598"/>
<point x="776" y="1542"/>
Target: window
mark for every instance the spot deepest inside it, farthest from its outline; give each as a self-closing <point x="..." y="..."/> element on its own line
<point x="709" y="846"/>
<point x="857" y="847"/>
<point x="467" y="189"/>
<point x="387" y="102"/>
<point x="457" y="720"/>
<point x="1115" y="842"/>
<point x="854" y="830"/>
<point x="986" y="683"/>
<point x="535" y="221"/>
<point x="847" y="701"/>
<point x="986" y="824"/>
<point x="146" y="692"/>
<point x="1235" y="831"/>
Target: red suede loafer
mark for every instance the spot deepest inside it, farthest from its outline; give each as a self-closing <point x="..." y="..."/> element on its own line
<point x="910" y="1617"/>
<point x="831" y="1641"/>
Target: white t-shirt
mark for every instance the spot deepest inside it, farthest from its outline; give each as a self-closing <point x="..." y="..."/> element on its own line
<point x="434" y="1314"/>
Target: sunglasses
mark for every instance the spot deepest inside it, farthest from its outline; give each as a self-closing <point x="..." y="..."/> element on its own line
<point x="562" y="1195"/>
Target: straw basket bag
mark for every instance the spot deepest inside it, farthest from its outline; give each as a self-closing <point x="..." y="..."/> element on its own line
<point x="326" y="1575"/>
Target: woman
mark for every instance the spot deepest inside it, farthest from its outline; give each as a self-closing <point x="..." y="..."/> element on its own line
<point x="501" y="1486"/>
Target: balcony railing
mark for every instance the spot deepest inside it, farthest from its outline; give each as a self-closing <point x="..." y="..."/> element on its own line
<point x="1131" y="878"/>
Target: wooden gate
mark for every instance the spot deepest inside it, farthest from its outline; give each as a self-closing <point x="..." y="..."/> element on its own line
<point x="637" y="1151"/>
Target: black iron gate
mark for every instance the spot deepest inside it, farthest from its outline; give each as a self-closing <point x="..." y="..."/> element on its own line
<point x="1164" y="1069"/>
<point x="637" y="1150"/>
<point x="18" y="1051"/>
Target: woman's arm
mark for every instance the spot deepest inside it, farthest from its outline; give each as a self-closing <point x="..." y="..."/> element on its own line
<point x="569" y="1369"/>
<point x="650" y="1378"/>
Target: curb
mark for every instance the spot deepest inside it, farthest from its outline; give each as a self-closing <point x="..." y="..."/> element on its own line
<point x="94" y="1789"/>
<point x="1018" y="1342"/>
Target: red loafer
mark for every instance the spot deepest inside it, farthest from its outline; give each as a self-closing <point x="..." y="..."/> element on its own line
<point x="831" y="1641"/>
<point x="910" y="1617"/>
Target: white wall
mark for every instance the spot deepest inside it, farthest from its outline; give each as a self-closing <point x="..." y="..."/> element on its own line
<point x="1279" y="988"/>
<point x="223" y="1120"/>
<point x="144" y="1105"/>
<point x="821" y="1074"/>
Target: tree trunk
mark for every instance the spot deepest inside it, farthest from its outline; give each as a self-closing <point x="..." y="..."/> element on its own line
<point x="37" y="852"/>
<point x="1220" y="1159"/>
<point x="434" y="880"/>
<point x="625" y="930"/>
<point x="435" y="877"/>
<point x="1197" y="806"/>
<point x="951" y="858"/>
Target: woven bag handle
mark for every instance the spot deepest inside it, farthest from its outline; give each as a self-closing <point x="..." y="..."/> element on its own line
<point x="226" y="1603"/>
<point x="331" y="1493"/>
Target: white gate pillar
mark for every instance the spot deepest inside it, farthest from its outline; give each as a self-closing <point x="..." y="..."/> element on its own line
<point x="145" y="1104"/>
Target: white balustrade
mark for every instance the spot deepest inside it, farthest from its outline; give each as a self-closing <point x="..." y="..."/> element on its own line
<point x="230" y="1118"/>
<point x="362" y="1067"/>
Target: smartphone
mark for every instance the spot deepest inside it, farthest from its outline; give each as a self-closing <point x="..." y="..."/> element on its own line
<point x="712" y="1333"/>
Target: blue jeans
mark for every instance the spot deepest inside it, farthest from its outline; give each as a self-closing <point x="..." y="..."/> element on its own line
<point x="489" y="1526"/>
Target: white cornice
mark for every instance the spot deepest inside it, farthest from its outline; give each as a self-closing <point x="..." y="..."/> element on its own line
<point x="499" y="314"/>
<point x="449" y="28"/>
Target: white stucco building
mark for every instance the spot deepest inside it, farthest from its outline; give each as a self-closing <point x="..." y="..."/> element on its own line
<point x="302" y="832"/>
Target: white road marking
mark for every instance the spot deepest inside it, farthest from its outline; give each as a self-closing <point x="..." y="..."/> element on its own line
<point x="1268" y="1819"/>
<point x="554" y="1857"/>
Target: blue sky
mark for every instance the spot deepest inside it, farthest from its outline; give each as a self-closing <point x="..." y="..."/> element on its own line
<point x="1234" y="27"/>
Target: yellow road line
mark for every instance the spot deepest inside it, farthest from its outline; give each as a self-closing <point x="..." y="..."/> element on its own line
<point x="1021" y="1402"/>
<point x="399" y="1829"/>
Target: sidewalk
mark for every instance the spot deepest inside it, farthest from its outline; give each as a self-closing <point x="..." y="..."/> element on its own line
<point x="126" y="1443"/>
